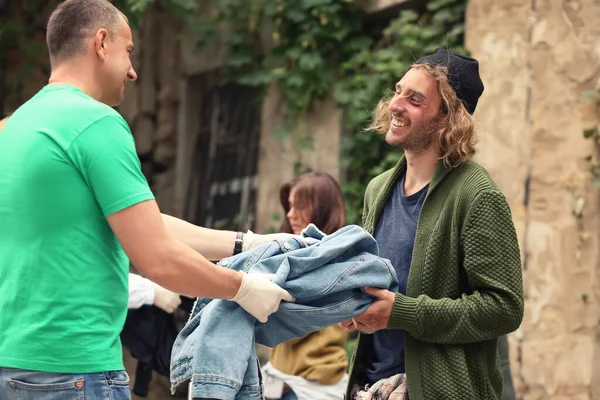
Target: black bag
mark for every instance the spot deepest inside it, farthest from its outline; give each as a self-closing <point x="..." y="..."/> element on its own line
<point x="149" y="334"/>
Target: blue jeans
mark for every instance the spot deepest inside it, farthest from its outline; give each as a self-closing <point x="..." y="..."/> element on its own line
<point x="20" y="384"/>
<point x="508" y="390"/>
<point x="289" y="395"/>
<point x="216" y="348"/>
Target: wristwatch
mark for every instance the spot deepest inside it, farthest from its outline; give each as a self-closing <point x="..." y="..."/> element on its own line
<point x="239" y="242"/>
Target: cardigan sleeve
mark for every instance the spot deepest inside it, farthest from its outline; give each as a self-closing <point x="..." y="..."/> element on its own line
<point x="492" y="263"/>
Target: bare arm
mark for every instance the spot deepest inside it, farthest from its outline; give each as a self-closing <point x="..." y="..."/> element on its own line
<point x="211" y="243"/>
<point x="169" y="262"/>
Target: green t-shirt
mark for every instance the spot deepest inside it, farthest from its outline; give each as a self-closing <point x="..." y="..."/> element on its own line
<point x="66" y="162"/>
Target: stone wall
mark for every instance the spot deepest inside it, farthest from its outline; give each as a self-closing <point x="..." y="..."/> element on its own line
<point x="150" y="107"/>
<point x="151" y="103"/>
<point x="537" y="58"/>
<point x="278" y="155"/>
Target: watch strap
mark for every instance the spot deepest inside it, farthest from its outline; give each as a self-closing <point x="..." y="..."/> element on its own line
<point x="239" y="243"/>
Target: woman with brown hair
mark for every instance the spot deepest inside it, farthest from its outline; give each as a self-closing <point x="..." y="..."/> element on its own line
<point x="312" y="367"/>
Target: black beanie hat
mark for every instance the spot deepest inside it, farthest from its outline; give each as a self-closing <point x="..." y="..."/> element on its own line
<point x="463" y="75"/>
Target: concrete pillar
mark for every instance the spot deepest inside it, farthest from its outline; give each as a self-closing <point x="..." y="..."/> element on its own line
<point x="537" y="58"/>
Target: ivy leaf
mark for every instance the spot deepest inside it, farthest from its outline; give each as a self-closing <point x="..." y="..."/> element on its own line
<point x="429" y="32"/>
<point x="300" y="168"/>
<point x="181" y="8"/>
<point x="294" y="53"/>
<point x="138" y="6"/>
<point x="294" y="80"/>
<point x="310" y="61"/>
<point x="456" y="32"/>
<point x="281" y="131"/>
<point x="204" y="32"/>
<point x="591" y="95"/>
<point x="341" y="34"/>
<point x="307" y="4"/>
<point x="306" y="142"/>
<point x="278" y="72"/>
<point x="239" y="58"/>
<point x="436" y="5"/>
<point x="358" y="43"/>
<point x="236" y="38"/>
<point x="255" y="78"/>
<point x="186" y="4"/>
<point x="342" y="93"/>
<point x="443" y="16"/>
<point x="588" y="133"/>
<point x="275" y="58"/>
<point x="295" y="15"/>
<point x="276" y="217"/>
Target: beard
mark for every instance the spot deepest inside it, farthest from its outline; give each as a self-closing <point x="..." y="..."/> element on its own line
<point x="419" y="138"/>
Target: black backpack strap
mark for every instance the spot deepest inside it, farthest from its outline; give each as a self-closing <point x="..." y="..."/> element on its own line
<point x="143" y="376"/>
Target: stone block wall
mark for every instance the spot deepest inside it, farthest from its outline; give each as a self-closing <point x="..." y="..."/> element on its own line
<point x="278" y="155"/>
<point x="537" y="58"/>
<point x="151" y="103"/>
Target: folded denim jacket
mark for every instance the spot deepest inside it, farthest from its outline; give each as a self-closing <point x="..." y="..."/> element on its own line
<point x="216" y="348"/>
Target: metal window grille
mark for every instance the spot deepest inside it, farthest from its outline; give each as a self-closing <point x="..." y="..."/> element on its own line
<point x="222" y="190"/>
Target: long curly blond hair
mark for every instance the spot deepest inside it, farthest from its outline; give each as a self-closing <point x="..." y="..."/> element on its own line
<point x="455" y="127"/>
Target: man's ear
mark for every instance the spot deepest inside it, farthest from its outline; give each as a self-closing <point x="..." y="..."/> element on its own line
<point x="100" y="40"/>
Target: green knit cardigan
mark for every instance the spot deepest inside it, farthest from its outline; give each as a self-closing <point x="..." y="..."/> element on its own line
<point x="464" y="289"/>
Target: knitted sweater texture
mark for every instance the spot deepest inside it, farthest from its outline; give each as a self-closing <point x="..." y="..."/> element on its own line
<point x="464" y="288"/>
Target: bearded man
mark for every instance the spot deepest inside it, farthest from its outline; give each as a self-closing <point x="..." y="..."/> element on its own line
<point x="448" y="231"/>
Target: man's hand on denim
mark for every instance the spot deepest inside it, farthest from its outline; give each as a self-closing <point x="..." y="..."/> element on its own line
<point x="259" y="296"/>
<point x="348" y="325"/>
<point x="377" y="316"/>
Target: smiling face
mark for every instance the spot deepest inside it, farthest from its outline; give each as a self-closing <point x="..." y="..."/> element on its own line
<point x="412" y="111"/>
<point x="117" y="70"/>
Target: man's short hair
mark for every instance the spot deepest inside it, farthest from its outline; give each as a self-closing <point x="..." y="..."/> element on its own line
<point x="75" y="20"/>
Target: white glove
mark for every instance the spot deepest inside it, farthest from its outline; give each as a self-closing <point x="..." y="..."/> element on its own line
<point x="252" y="239"/>
<point x="259" y="296"/>
<point x="165" y="299"/>
<point x="141" y="291"/>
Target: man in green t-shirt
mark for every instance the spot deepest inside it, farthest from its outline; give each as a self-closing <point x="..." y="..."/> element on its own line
<point x="74" y="207"/>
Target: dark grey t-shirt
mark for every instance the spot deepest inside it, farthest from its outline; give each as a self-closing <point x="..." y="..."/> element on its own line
<point x="395" y="234"/>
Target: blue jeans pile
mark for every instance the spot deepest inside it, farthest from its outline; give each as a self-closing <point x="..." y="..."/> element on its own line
<point x="216" y="348"/>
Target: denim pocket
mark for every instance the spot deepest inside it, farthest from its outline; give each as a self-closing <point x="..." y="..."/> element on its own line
<point x="71" y="390"/>
<point x="118" y="385"/>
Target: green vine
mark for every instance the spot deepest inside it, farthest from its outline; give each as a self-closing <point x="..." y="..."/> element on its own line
<point x="372" y="73"/>
<point x="296" y="44"/>
<point x="186" y="10"/>
<point x="23" y="28"/>
<point x="22" y="45"/>
<point x="309" y="48"/>
<point x="317" y="45"/>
